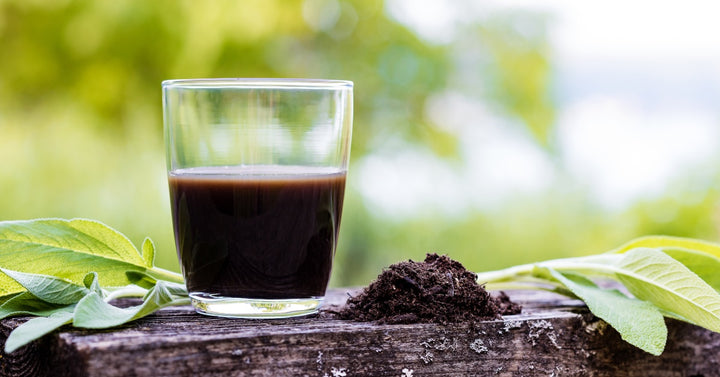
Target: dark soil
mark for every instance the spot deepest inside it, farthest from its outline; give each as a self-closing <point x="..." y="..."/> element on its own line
<point x="438" y="290"/>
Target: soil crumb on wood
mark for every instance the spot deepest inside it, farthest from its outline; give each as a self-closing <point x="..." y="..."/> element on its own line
<point x="438" y="290"/>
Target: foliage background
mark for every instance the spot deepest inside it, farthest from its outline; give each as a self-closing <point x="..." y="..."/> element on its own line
<point x="81" y="122"/>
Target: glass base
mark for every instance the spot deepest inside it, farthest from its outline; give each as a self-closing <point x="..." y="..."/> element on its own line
<point x="254" y="308"/>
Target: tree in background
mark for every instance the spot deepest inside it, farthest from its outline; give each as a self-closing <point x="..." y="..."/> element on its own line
<point x="81" y="127"/>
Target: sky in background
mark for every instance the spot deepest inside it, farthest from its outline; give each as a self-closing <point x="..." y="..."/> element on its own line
<point x="637" y="89"/>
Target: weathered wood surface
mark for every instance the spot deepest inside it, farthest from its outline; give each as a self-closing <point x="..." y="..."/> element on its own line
<point x="551" y="337"/>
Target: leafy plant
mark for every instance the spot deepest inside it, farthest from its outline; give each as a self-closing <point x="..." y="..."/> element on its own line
<point x="67" y="271"/>
<point x="648" y="279"/>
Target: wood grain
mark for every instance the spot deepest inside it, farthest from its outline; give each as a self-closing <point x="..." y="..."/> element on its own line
<point x="552" y="337"/>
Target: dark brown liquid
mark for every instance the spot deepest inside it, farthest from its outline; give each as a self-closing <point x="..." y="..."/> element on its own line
<point x="256" y="233"/>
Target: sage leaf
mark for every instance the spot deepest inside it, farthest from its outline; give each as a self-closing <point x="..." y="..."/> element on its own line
<point x="148" y="252"/>
<point x="93" y="312"/>
<point x="49" y="288"/>
<point x="141" y="279"/>
<point x="67" y="249"/>
<point x="54" y="268"/>
<point x="148" y="282"/>
<point x="91" y="283"/>
<point x="705" y="266"/>
<point x="654" y="276"/>
<point x="36" y="328"/>
<point x="701" y="257"/>
<point x="26" y="303"/>
<point x="678" y="276"/>
<point x="176" y="289"/>
<point x="638" y="322"/>
<point x="667" y="242"/>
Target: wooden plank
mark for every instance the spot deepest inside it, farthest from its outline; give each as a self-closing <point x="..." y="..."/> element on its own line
<point x="551" y="337"/>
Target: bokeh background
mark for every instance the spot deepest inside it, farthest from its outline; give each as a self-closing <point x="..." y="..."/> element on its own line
<point x="497" y="132"/>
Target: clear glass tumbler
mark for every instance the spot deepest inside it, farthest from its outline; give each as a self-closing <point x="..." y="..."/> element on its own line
<point x="256" y="169"/>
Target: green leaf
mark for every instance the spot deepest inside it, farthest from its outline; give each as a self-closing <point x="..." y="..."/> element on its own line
<point x="49" y="288"/>
<point x="653" y="276"/>
<point x="36" y="328"/>
<point x="67" y="249"/>
<point x="92" y="284"/>
<point x="176" y="289"/>
<point x="701" y="257"/>
<point x="666" y="242"/>
<point x="54" y="268"/>
<point x="148" y="282"/>
<point x="679" y="276"/>
<point x="148" y="252"/>
<point x="638" y="322"/>
<point x="141" y="279"/>
<point x="705" y="266"/>
<point x="26" y="303"/>
<point x="93" y="312"/>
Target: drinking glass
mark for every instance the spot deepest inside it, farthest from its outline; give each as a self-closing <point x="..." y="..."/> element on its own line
<point x="256" y="170"/>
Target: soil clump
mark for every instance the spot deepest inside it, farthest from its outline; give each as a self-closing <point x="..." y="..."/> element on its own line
<point x="438" y="290"/>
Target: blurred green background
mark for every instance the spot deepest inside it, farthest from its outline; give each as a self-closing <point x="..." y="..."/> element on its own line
<point x="470" y="122"/>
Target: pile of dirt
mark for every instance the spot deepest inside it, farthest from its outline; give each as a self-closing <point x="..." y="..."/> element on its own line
<point x="438" y="290"/>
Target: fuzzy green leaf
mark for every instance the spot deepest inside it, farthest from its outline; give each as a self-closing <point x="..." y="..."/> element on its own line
<point x="54" y="268"/>
<point x="66" y="249"/>
<point x="36" y="328"/>
<point x="148" y="252"/>
<point x="49" y="288"/>
<point x="701" y="257"/>
<point x="667" y="242"/>
<point x="93" y="312"/>
<point x="140" y="279"/>
<point x="653" y="276"/>
<point x="148" y="282"/>
<point x="92" y="284"/>
<point x="26" y="303"/>
<point x="638" y="322"/>
<point x="705" y="266"/>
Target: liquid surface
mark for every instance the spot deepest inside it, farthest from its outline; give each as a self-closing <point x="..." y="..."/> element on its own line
<point x="257" y="232"/>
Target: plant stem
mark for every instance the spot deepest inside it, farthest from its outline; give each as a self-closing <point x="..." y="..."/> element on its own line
<point x="511" y="273"/>
<point x="163" y="274"/>
<point x="127" y="291"/>
<point x="597" y="265"/>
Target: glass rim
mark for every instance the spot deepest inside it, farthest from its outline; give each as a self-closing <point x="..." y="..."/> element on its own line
<point x="257" y="83"/>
